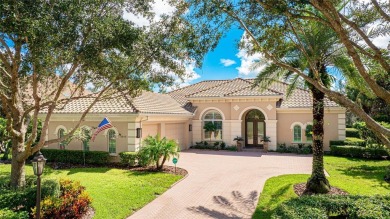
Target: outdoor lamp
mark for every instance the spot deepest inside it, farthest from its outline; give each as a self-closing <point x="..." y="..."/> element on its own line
<point x="139" y="133"/>
<point x="38" y="163"/>
<point x="190" y="128"/>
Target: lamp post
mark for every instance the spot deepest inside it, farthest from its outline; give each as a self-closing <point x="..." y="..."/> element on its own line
<point x="38" y="164"/>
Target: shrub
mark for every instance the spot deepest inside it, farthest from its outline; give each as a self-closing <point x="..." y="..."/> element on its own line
<point x="24" y="199"/>
<point x="8" y="214"/>
<point x="352" y="132"/>
<point x="157" y="150"/>
<point x="359" y="152"/>
<point x="223" y="145"/>
<point x="128" y="158"/>
<point x="76" y="156"/>
<point x="231" y="148"/>
<point x="216" y="144"/>
<point x="355" y="141"/>
<point x="323" y="206"/>
<point x="300" y="149"/>
<point x="367" y="134"/>
<point x="73" y="202"/>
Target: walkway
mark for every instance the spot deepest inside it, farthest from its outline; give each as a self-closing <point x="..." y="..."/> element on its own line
<point x="221" y="184"/>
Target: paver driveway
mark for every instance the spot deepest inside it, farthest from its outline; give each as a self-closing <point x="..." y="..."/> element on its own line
<point x="221" y="184"/>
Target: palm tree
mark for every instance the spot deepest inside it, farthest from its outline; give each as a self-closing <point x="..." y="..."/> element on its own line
<point x="321" y="52"/>
<point x="158" y="150"/>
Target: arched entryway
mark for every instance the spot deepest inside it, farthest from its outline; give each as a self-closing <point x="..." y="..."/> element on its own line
<point x="254" y="128"/>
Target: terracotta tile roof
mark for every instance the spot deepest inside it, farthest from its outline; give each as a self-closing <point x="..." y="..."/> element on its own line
<point x="300" y="98"/>
<point x="147" y="102"/>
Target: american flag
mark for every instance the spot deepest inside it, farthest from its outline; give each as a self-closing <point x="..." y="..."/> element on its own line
<point x="105" y="124"/>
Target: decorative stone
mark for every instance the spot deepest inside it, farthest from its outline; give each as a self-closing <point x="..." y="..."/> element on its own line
<point x="269" y="107"/>
<point x="236" y="107"/>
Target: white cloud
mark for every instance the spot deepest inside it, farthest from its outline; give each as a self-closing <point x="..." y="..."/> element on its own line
<point x="159" y="7"/>
<point x="227" y="62"/>
<point x="247" y="69"/>
<point x="189" y="76"/>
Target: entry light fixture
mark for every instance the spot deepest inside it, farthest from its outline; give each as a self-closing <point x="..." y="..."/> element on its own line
<point x="190" y="128"/>
<point x="139" y="133"/>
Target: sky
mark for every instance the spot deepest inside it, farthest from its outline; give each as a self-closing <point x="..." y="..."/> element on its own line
<point x="226" y="61"/>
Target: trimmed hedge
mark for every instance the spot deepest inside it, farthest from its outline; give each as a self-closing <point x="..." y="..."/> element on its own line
<point x="129" y="158"/>
<point x="359" y="152"/>
<point x="349" y="141"/>
<point x="352" y="132"/>
<point x="299" y="149"/>
<point x="25" y="199"/>
<point x="323" y="206"/>
<point x="76" y="156"/>
<point x="8" y="214"/>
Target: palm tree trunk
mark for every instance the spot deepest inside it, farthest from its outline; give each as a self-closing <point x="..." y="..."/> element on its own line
<point x="318" y="183"/>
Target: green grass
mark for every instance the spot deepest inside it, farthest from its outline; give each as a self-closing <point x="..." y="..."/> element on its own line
<point x="356" y="176"/>
<point x="115" y="193"/>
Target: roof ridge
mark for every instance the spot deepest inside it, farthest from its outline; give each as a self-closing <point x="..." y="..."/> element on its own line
<point x="275" y="91"/>
<point x="227" y="81"/>
<point x="129" y="102"/>
<point x="196" y="84"/>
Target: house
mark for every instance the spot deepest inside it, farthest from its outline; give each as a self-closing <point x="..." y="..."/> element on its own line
<point x="233" y="106"/>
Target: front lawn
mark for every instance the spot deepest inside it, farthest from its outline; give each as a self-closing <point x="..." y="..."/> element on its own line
<point x="115" y="193"/>
<point x="356" y="176"/>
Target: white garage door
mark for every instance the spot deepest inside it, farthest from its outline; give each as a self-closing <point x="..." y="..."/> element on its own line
<point x="176" y="131"/>
<point x="151" y="129"/>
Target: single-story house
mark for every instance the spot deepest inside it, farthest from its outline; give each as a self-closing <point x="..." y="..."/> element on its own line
<point x="233" y="106"/>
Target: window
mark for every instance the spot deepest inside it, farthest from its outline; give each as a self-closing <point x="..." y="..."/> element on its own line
<point x="212" y="126"/>
<point x="309" y="133"/>
<point x="60" y="134"/>
<point x="86" y="140"/>
<point x="111" y="141"/>
<point x="297" y="133"/>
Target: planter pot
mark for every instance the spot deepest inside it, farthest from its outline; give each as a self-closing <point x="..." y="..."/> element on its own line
<point x="239" y="145"/>
<point x="265" y="147"/>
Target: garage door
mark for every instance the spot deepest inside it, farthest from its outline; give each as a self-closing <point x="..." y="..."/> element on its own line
<point x="151" y="129"/>
<point x="176" y="131"/>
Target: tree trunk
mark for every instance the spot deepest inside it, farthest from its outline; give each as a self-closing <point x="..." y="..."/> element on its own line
<point x="18" y="175"/>
<point x="318" y="183"/>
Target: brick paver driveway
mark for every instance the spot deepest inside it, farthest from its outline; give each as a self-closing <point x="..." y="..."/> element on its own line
<point x="221" y="184"/>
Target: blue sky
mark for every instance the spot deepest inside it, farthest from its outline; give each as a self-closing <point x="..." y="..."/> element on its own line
<point x="227" y="50"/>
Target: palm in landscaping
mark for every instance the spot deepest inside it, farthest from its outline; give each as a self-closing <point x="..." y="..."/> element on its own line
<point x="321" y="48"/>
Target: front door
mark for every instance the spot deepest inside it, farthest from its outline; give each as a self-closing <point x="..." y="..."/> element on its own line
<point x="254" y="128"/>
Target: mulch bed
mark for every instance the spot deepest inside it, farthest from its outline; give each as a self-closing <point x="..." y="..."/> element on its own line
<point x="300" y="188"/>
<point x="166" y="169"/>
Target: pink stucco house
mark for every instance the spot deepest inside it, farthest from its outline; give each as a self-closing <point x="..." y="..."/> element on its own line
<point x="234" y="106"/>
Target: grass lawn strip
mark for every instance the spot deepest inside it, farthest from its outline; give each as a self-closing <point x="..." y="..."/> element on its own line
<point x="356" y="176"/>
<point x="115" y="193"/>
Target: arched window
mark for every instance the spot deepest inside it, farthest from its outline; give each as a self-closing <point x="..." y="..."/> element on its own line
<point x="60" y="134"/>
<point x="212" y="126"/>
<point x="87" y="135"/>
<point x="111" y="141"/>
<point x="297" y="133"/>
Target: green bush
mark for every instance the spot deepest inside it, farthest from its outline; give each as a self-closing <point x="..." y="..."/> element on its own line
<point x="231" y="148"/>
<point x="129" y="158"/>
<point x="355" y="141"/>
<point x="157" y="150"/>
<point x="299" y="149"/>
<point x="387" y="174"/>
<point x="352" y="132"/>
<point x="324" y="206"/>
<point x="367" y="134"/>
<point x="76" y="156"/>
<point x="359" y="152"/>
<point x="73" y="202"/>
<point x="24" y="199"/>
<point x="8" y="214"/>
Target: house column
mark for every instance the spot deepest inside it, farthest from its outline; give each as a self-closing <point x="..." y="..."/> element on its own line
<point x="197" y="130"/>
<point x="341" y="126"/>
<point x="133" y="143"/>
<point x="271" y="131"/>
<point x="232" y="128"/>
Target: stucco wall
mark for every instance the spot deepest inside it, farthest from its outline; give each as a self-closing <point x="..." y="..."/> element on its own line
<point x="305" y="117"/>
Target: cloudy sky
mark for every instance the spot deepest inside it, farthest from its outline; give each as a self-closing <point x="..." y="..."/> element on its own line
<point x="226" y="61"/>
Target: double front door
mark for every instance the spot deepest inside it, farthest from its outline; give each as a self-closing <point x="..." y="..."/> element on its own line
<point x="254" y="128"/>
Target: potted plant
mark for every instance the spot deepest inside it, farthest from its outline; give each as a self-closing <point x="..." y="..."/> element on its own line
<point x="265" y="141"/>
<point x="239" y="141"/>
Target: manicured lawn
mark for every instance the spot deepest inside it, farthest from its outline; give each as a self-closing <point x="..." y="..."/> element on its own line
<point x="356" y="176"/>
<point x="115" y="193"/>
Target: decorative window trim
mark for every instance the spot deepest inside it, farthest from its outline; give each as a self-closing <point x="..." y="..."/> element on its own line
<point x="60" y="127"/>
<point x="294" y="133"/>
<point x="112" y="128"/>
<point x="252" y="108"/>
<point x="212" y="120"/>
<point x="297" y="123"/>
<point x="204" y="112"/>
